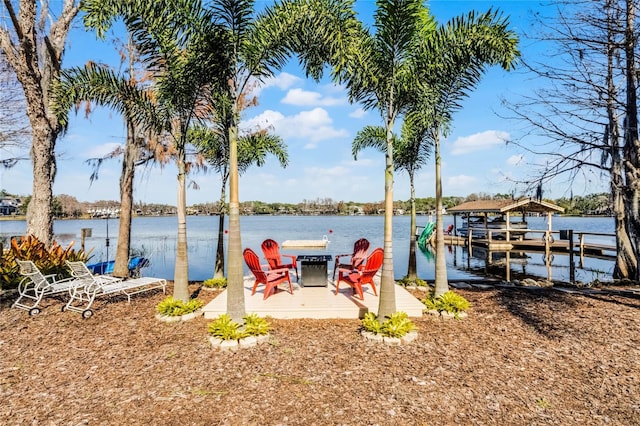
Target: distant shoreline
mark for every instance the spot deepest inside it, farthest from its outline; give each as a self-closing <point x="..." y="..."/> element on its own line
<point x="23" y="218"/>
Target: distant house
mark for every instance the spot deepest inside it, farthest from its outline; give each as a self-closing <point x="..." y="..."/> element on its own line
<point x="9" y="206"/>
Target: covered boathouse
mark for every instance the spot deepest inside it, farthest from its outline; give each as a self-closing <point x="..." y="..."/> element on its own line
<point x="491" y="222"/>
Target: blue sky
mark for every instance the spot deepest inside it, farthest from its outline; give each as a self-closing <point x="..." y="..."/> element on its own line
<point x="318" y="124"/>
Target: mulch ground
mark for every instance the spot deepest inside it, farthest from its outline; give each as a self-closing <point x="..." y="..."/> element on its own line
<point x="520" y="358"/>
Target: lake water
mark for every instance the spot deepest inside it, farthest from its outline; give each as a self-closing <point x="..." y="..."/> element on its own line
<point x="155" y="238"/>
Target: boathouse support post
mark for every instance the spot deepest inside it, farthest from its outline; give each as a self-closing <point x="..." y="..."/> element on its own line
<point x="507" y="272"/>
<point x="572" y="271"/>
<point x="547" y="240"/>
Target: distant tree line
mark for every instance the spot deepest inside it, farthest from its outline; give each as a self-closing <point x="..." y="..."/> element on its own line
<point x="67" y="206"/>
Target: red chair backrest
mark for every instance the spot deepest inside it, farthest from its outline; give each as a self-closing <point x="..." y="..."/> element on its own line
<point x="271" y="253"/>
<point x="253" y="262"/>
<point x="374" y="261"/>
<point x="360" y="250"/>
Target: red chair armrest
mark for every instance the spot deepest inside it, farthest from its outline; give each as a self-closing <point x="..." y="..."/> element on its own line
<point x="279" y="271"/>
<point x="343" y="255"/>
<point x="292" y="257"/>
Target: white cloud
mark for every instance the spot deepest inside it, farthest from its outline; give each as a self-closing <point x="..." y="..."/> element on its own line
<point x="479" y="142"/>
<point x="514" y="160"/>
<point x="267" y="120"/>
<point x="313" y="126"/>
<point x="358" y="113"/>
<point x="299" y="97"/>
<point x="282" y="81"/>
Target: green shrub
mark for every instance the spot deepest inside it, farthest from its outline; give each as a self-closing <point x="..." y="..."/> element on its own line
<point x="174" y="307"/>
<point x="256" y="326"/>
<point x="405" y="282"/>
<point x="449" y="302"/>
<point x="397" y="324"/>
<point x="225" y="328"/>
<point x="50" y="261"/>
<point x="215" y="283"/>
<point x="370" y="323"/>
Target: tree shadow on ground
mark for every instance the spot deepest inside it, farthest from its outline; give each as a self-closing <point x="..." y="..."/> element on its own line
<point x="541" y="309"/>
<point x="545" y="310"/>
<point x="631" y="300"/>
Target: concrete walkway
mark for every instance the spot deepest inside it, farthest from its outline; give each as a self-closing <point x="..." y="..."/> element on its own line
<point x="313" y="302"/>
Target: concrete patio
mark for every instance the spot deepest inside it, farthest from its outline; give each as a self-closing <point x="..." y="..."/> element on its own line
<point x="313" y="302"/>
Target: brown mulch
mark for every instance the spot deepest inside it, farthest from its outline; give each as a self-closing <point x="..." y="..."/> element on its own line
<point x="520" y="358"/>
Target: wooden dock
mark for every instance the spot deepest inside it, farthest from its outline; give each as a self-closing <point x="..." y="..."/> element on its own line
<point x="543" y="244"/>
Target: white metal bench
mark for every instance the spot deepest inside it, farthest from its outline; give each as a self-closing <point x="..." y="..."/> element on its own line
<point x="103" y="285"/>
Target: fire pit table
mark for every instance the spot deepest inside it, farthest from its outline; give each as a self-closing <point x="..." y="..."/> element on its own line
<point x="313" y="269"/>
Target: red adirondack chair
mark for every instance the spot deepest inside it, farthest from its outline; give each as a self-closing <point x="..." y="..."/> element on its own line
<point x="270" y="278"/>
<point x="356" y="259"/>
<point x="271" y="252"/>
<point x="357" y="278"/>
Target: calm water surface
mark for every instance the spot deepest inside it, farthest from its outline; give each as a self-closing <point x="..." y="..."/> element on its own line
<point x="155" y="238"/>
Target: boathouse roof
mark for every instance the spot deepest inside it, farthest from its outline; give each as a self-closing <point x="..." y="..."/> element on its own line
<point x="528" y="205"/>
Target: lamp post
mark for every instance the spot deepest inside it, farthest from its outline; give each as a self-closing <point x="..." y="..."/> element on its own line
<point x="107" y="239"/>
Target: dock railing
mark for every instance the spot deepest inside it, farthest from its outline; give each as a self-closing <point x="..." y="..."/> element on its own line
<point x="599" y="244"/>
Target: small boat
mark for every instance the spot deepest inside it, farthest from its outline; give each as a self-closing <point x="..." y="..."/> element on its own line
<point x="476" y="226"/>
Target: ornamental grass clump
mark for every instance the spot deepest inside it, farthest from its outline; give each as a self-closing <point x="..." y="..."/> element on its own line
<point x="397" y="324"/>
<point x="418" y="282"/>
<point x="224" y="328"/>
<point x="449" y="302"/>
<point x="174" y="307"/>
<point x="256" y="326"/>
<point x="215" y="283"/>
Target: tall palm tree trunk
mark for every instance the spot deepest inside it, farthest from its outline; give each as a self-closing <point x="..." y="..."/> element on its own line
<point x="121" y="266"/>
<point x="387" y="303"/>
<point x="442" y="283"/>
<point x="412" y="269"/>
<point x="219" y="266"/>
<point x="235" y="279"/>
<point x="181" y="273"/>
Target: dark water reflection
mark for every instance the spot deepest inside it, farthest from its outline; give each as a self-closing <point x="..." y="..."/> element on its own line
<point x="155" y="237"/>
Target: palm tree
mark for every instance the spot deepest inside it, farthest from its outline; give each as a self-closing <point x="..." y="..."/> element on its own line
<point x="193" y="52"/>
<point x="411" y="151"/>
<point x="449" y="64"/>
<point x="258" y="47"/>
<point x="183" y="49"/>
<point x="93" y="83"/>
<point x="252" y="149"/>
<point x="379" y="73"/>
<point x="410" y="66"/>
